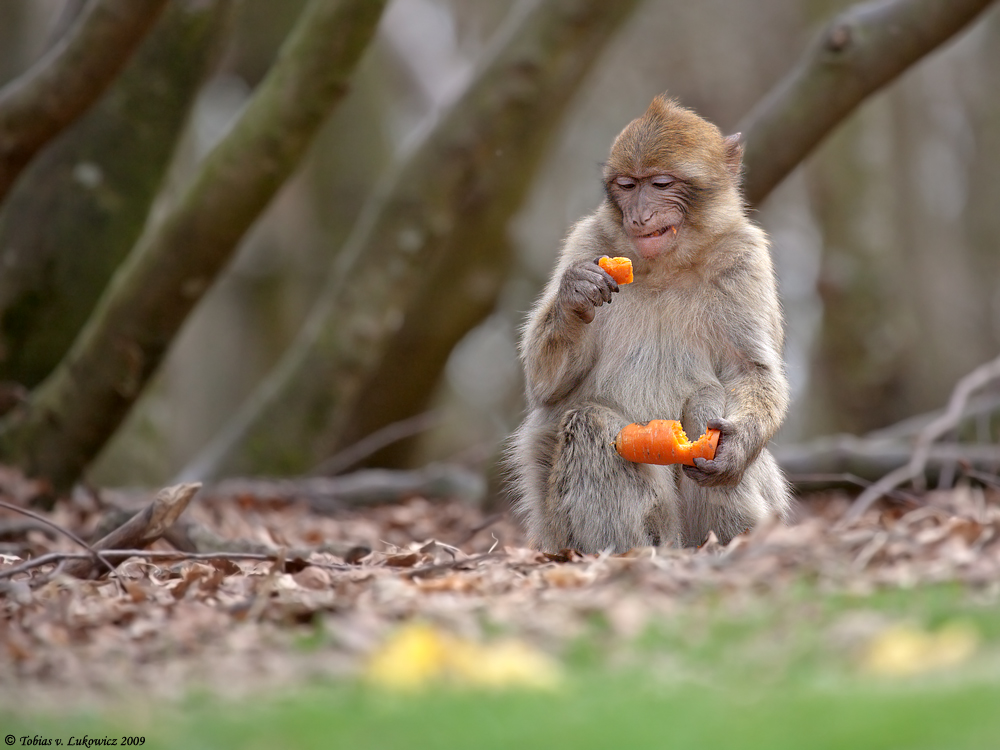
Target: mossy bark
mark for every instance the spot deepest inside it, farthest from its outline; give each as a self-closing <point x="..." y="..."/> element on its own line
<point x="71" y="415"/>
<point x="426" y="257"/>
<point x="81" y="205"/>
<point x="38" y="105"/>
<point x="857" y="53"/>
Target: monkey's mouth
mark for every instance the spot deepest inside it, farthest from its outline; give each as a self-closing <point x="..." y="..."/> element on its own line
<point x="659" y="232"/>
<point x="656" y="242"/>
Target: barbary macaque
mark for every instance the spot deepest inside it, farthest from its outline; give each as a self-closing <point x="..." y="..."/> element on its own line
<point x="697" y="337"/>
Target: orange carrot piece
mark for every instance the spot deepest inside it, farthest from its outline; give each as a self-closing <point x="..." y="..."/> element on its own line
<point x="662" y="441"/>
<point x="620" y="268"/>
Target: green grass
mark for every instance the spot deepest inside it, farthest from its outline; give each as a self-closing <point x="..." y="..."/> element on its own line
<point x="600" y="712"/>
<point x="765" y="673"/>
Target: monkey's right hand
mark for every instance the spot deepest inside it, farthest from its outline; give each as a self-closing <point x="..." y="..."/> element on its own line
<point x="584" y="287"/>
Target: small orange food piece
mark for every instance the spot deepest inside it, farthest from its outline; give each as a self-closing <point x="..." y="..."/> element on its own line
<point x="619" y="268"/>
<point x="662" y="441"/>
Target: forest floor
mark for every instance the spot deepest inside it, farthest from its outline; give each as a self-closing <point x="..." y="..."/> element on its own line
<point x="450" y="596"/>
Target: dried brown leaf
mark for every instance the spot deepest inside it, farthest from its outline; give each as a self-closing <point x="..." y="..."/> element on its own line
<point x="403" y="560"/>
<point x="312" y="578"/>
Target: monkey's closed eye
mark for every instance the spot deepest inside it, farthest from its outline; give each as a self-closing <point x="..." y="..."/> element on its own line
<point x="663" y="183"/>
<point x="625" y="183"/>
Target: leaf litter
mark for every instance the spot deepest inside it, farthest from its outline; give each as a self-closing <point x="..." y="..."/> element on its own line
<point x="440" y="592"/>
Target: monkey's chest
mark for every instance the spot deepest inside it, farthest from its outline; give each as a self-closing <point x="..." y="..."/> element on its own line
<point x="650" y="365"/>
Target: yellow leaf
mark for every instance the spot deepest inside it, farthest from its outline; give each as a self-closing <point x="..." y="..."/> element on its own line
<point x="906" y="650"/>
<point x="419" y="655"/>
<point x="415" y="655"/>
<point x="507" y="663"/>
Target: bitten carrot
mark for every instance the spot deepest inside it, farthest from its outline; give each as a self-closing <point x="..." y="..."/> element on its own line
<point x="662" y="441"/>
<point x="619" y="268"/>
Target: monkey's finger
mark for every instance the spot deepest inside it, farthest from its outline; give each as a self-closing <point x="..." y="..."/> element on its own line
<point x="602" y="280"/>
<point x="606" y="277"/>
<point x="609" y="284"/>
<point x="699" y="476"/>
<point x="721" y="424"/>
<point x="585" y="312"/>
<point x="579" y="302"/>
<point x="606" y="291"/>
<point x="708" y="466"/>
<point x="710" y="476"/>
<point x="597" y="294"/>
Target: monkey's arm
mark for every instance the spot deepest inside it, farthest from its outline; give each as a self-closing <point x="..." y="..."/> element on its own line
<point x="752" y="373"/>
<point x="556" y="349"/>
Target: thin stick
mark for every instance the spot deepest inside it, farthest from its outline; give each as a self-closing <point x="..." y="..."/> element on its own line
<point x="376" y="441"/>
<point x="846" y="478"/>
<point x="981" y="376"/>
<point x="145" y="554"/>
<point x="92" y="553"/>
<point x="981" y="476"/>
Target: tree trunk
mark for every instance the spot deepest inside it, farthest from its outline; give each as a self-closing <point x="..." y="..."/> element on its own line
<point x="859" y="52"/>
<point x="855" y="377"/>
<point x="908" y="284"/>
<point x="101" y="175"/>
<point x="13" y="14"/>
<point x="71" y="414"/>
<point x="426" y="257"/>
<point x="61" y="86"/>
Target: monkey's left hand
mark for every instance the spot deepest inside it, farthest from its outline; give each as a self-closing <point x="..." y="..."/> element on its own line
<point x="726" y="469"/>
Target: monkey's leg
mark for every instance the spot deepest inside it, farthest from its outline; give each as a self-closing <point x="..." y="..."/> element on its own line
<point x="597" y="499"/>
<point x="729" y="511"/>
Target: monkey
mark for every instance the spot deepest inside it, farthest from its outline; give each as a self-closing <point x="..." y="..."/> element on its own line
<point x="697" y="336"/>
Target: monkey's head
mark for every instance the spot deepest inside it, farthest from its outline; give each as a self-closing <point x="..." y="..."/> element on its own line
<point x="669" y="174"/>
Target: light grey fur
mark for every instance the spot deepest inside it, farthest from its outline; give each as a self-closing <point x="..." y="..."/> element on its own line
<point x="697" y="336"/>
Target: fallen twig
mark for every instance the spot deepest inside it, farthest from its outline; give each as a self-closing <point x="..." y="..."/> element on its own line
<point x="376" y="441"/>
<point x="456" y="564"/>
<point x="978" y="407"/>
<point x="142" y="529"/>
<point x="847" y="460"/>
<point x="364" y="487"/>
<point x="981" y="376"/>
<point x="92" y="553"/>
<point x="120" y="555"/>
<point x="990" y="480"/>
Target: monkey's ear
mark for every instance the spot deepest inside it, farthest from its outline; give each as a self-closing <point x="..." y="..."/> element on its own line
<point x="734" y="154"/>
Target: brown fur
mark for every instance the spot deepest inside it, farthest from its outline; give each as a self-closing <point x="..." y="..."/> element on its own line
<point x="669" y="134"/>
<point x="696" y="337"/>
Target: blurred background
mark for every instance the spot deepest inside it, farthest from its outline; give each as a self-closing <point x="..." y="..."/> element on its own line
<point x="885" y="240"/>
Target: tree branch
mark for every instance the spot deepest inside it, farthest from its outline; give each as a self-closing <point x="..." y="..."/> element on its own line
<point x="861" y="50"/>
<point x="102" y="173"/>
<point x="120" y="555"/>
<point x="841" y="460"/>
<point x="376" y="441"/>
<point x="94" y="554"/>
<point x="360" y="488"/>
<point x="70" y="416"/>
<point x="68" y="79"/>
<point x="981" y="376"/>
<point x="436" y="219"/>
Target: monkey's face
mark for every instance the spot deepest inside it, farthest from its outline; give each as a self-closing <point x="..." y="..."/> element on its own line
<point x="652" y="207"/>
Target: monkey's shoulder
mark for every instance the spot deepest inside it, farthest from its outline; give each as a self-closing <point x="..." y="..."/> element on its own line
<point x="594" y="235"/>
<point x="740" y="259"/>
